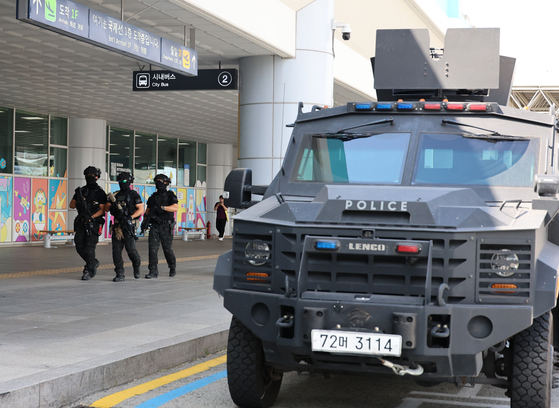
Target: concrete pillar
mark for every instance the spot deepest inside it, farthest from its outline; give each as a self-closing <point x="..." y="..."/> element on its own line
<point x="220" y="163"/>
<point x="272" y="87"/>
<point x="87" y="143"/>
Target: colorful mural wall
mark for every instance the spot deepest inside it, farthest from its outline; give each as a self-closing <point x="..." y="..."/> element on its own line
<point x="200" y="216"/>
<point x="22" y="209"/>
<point x="39" y="206"/>
<point x="30" y="205"/>
<point x="6" y="203"/>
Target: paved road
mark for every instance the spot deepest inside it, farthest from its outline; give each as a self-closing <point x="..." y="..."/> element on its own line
<point x="203" y="384"/>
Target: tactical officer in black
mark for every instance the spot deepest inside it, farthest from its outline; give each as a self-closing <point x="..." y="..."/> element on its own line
<point x="90" y="202"/>
<point x="126" y="207"/>
<point x="161" y="220"/>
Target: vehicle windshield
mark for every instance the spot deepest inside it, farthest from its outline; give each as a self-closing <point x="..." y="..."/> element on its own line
<point x="457" y="160"/>
<point x="346" y="159"/>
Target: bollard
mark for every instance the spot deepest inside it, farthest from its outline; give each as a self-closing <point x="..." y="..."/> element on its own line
<point x="209" y="235"/>
<point x="46" y="242"/>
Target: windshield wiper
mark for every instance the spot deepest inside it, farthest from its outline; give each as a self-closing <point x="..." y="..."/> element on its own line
<point x="344" y="137"/>
<point x="492" y="135"/>
<point x="378" y="122"/>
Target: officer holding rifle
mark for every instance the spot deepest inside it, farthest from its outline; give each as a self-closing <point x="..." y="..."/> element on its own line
<point x="126" y="206"/>
<point x="90" y="201"/>
<point x="160" y="219"/>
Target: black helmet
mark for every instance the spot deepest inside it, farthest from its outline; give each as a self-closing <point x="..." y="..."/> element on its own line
<point x="92" y="170"/>
<point x="125" y="176"/>
<point x="163" y="178"/>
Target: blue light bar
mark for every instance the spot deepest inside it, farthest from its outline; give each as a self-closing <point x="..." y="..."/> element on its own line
<point x="405" y="105"/>
<point x="327" y="245"/>
<point x="363" y="106"/>
<point x="384" y="106"/>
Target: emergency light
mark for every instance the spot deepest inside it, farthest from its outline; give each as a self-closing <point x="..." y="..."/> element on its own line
<point x="408" y="248"/>
<point x="327" y="245"/>
<point x="384" y="106"/>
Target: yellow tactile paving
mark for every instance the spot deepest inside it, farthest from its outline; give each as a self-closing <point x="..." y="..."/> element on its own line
<point x="80" y="268"/>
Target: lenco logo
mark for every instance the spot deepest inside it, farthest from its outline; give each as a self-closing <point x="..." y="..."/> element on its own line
<point x="366" y="247"/>
<point x="365" y="205"/>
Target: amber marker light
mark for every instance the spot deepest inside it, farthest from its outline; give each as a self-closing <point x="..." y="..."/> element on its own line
<point x="501" y="286"/>
<point x="257" y="276"/>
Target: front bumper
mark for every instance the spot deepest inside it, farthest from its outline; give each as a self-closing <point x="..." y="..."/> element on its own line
<point x="447" y="340"/>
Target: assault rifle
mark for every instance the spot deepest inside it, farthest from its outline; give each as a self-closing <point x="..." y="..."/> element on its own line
<point x="149" y="219"/>
<point x="152" y="216"/>
<point x="121" y="215"/>
<point x="84" y="214"/>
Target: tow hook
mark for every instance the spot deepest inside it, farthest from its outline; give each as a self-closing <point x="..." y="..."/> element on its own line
<point x="401" y="370"/>
<point x="285" y="321"/>
<point x="440" y="332"/>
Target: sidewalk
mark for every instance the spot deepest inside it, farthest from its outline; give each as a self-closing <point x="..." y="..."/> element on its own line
<point x="62" y="338"/>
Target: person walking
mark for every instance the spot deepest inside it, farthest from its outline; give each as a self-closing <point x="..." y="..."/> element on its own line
<point x="126" y="206"/>
<point x="160" y="219"/>
<point x="221" y="217"/>
<point x="90" y="201"/>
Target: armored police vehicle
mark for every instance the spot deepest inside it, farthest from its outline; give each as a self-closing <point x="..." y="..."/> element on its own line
<point x="416" y="235"/>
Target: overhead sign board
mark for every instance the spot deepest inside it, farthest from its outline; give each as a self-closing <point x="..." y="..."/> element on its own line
<point x="125" y="37"/>
<point x="207" y="79"/>
<point x="61" y="14"/>
<point x="178" y="56"/>
<point x="78" y="21"/>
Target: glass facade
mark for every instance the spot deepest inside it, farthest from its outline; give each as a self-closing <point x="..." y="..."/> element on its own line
<point x="145" y="153"/>
<point x="121" y="145"/>
<point x="31" y="144"/>
<point x="34" y="173"/>
<point x="58" y="162"/>
<point x="58" y="131"/>
<point x="6" y="140"/>
<point x="33" y="186"/>
<point x="167" y="158"/>
<point x="187" y="163"/>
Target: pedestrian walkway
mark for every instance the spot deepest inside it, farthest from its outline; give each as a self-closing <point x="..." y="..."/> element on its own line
<point x="62" y="338"/>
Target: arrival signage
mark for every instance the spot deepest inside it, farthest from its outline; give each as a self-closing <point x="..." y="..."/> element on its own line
<point x="207" y="79"/>
<point x="78" y="21"/>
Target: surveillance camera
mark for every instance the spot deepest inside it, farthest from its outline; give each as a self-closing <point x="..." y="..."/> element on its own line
<point x="346" y="29"/>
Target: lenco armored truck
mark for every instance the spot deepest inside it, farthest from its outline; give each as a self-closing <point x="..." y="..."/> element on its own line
<point x="415" y="235"/>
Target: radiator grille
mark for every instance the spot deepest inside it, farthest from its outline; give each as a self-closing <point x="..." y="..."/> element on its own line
<point x="377" y="274"/>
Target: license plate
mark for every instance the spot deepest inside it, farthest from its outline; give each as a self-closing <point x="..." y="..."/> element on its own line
<point x="376" y="344"/>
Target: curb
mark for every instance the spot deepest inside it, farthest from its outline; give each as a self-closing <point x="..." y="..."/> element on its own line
<point x="67" y="385"/>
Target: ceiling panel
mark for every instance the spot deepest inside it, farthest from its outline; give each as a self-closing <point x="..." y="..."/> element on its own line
<point x="44" y="72"/>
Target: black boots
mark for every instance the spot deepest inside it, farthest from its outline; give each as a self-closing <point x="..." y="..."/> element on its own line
<point x="118" y="278"/>
<point x="87" y="274"/>
<point x="94" y="271"/>
<point x="152" y="275"/>
<point x="172" y="272"/>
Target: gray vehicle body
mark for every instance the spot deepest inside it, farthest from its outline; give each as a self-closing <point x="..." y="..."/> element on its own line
<point x="439" y="300"/>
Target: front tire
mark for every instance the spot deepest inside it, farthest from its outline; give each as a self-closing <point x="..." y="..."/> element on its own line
<point x="252" y="384"/>
<point x="532" y="365"/>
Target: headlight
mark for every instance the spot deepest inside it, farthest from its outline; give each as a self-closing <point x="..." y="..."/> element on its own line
<point x="257" y="252"/>
<point x="505" y="263"/>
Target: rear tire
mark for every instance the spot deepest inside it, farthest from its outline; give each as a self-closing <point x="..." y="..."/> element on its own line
<point x="532" y="365"/>
<point x="252" y="383"/>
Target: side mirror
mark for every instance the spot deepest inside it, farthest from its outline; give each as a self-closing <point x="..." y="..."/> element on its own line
<point x="546" y="185"/>
<point x="238" y="186"/>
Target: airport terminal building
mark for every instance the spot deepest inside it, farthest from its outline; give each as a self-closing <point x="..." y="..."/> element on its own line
<point x="189" y="88"/>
